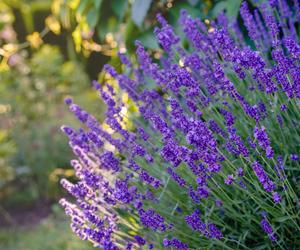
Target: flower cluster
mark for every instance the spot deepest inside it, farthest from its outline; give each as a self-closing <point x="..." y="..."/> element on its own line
<point x="267" y="227"/>
<point x="214" y="122"/>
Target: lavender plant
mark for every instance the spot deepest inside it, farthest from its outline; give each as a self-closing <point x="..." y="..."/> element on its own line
<point x="209" y="158"/>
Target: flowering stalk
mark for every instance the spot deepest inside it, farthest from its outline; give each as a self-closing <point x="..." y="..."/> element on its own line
<point x="214" y="139"/>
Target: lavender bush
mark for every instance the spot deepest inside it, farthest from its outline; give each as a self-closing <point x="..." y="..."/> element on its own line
<point x="207" y="157"/>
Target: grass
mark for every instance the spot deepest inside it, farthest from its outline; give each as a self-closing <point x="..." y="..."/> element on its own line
<point x="52" y="233"/>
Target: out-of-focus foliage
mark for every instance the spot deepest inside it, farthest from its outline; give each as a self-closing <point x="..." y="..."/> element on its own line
<point x="7" y="149"/>
<point x="34" y="87"/>
<point x="40" y="81"/>
<point x="52" y="233"/>
<point x="103" y="26"/>
<point x="35" y="78"/>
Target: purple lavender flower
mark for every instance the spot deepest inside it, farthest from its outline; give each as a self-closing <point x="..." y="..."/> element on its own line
<point x="292" y="46"/>
<point x="240" y="172"/>
<point x="263" y="178"/>
<point x="177" y="244"/>
<point x="249" y="21"/>
<point x="229" y="179"/>
<point x="144" y="176"/>
<point x="165" y="36"/>
<point x="263" y="140"/>
<point x="276" y="197"/>
<point x="214" y="231"/>
<point x="176" y="177"/>
<point x="218" y="203"/>
<point x="268" y="229"/>
<point x="271" y="24"/>
<point x="196" y="224"/>
<point x="294" y="157"/>
<point x="140" y="240"/>
<point x="283" y="107"/>
<point x="152" y="220"/>
<point x="68" y="101"/>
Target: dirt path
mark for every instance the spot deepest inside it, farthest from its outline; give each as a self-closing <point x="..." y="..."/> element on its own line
<point x="29" y="215"/>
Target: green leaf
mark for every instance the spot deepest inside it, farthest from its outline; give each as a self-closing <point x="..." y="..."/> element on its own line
<point x="193" y="2"/>
<point x="233" y="8"/>
<point x="98" y="3"/>
<point x="174" y="12"/>
<point x="119" y="8"/>
<point x="129" y="34"/>
<point x="92" y="17"/>
<point x="256" y="2"/>
<point x="106" y="25"/>
<point x="148" y="40"/>
<point x="282" y="219"/>
<point x="82" y="6"/>
<point x="220" y="6"/>
<point x="102" y="29"/>
<point x="139" y="11"/>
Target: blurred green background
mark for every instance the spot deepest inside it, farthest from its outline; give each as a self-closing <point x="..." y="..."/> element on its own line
<point x="50" y="49"/>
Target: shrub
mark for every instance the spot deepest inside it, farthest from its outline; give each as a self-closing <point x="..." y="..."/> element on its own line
<point x="210" y="159"/>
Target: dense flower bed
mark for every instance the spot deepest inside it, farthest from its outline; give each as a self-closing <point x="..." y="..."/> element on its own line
<point x="210" y="159"/>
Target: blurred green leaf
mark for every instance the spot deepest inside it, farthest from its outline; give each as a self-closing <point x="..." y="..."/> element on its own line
<point x="193" y="2"/>
<point x="282" y="219"/>
<point x="128" y="34"/>
<point x="139" y="11"/>
<point x="82" y="6"/>
<point x="219" y="7"/>
<point x="148" y="40"/>
<point x="52" y="233"/>
<point x="107" y="25"/>
<point x="119" y="8"/>
<point x="231" y="7"/>
<point x="98" y="4"/>
<point x="92" y="17"/>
